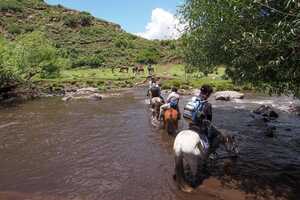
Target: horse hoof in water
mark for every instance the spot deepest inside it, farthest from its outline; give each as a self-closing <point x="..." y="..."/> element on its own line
<point x="186" y="188"/>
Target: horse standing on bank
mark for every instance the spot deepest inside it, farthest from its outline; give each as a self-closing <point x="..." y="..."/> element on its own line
<point x="138" y="69"/>
<point x="190" y="143"/>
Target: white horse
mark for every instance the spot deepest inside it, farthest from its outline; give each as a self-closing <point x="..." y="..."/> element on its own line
<point x="155" y="104"/>
<point x="189" y="143"/>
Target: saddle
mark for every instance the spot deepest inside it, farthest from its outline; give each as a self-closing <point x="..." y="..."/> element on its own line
<point x="203" y="136"/>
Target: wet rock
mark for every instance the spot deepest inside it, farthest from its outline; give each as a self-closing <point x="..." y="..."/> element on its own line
<point x="228" y="95"/>
<point x="293" y="108"/>
<point x="267" y="112"/>
<point x="83" y="93"/>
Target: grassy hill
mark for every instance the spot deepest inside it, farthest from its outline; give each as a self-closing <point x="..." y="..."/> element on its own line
<point x="80" y="36"/>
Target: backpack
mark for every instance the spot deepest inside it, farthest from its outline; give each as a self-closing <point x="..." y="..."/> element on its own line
<point x="198" y="110"/>
<point x="155" y="91"/>
<point x="173" y="103"/>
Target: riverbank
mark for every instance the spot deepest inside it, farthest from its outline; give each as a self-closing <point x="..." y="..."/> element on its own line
<point x="106" y="80"/>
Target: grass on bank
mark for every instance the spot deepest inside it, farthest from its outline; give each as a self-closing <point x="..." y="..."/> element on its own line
<point x="105" y="79"/>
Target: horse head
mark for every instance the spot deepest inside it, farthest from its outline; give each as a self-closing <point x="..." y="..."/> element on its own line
<point x="225" y="138"/>
<point x="231" y="145"/>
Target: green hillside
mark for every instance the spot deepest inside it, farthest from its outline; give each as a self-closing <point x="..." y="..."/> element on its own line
<point x="86" y="40"/>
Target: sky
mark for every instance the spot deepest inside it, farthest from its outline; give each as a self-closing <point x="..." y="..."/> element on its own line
<point x="151" y="19"/>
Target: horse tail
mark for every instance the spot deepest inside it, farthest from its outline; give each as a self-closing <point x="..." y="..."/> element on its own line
<point x="171" y="121"/>
<point x="179" y="174"/>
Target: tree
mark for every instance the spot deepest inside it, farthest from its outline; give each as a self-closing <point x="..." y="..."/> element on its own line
<point x="34" y="54"/>
<point x="150" y="55"/>
<point x="257" y="40"/>
<point x="8" y="75"/>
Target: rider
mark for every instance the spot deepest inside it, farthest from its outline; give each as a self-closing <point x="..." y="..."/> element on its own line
<point x="149" y="68"/>
<point x="203" y="112"/>
<point x="172" y="102"/>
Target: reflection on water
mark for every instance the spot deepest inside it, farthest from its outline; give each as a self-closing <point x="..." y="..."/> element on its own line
<point x="50" y="149"/>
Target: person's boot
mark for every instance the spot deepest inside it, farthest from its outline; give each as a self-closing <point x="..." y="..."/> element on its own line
<point x="211" y="152"/>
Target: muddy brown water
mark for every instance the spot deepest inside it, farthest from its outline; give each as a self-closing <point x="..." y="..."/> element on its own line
<point x="87" y="150"/>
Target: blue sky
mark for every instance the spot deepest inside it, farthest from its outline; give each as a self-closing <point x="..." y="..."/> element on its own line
<point x="132" y="15"/>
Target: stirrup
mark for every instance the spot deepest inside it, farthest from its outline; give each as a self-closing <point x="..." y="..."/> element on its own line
<point x="213" y="156"/>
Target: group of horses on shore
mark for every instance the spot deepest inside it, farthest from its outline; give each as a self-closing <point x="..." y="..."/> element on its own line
<point x="189" y="143"/>
<point x="135" y="69"/>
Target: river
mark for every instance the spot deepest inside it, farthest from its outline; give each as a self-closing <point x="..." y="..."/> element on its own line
<point x="88" y="150"/>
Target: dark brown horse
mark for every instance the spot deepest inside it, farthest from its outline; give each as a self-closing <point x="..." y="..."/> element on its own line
<point x="141" y="69"/>
<point x="138" y="69"/>
<point x="124" y="69"/>
<point x="171" y="121"/>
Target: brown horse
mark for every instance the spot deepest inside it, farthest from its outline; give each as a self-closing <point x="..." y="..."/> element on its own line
<point x="124" y="69"/>
<point x="141" y="69"/>
<point x="171" y="121"/>
<point x="138" y="69"/>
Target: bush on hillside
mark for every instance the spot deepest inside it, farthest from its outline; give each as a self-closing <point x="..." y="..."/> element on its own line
<point x="33" y="55"/>
<point x="70" y="21"/>
<point x="94" y="61"/>
<point x="123" y="43"/>
<point x="8" y="75"/>
<point x="14" y="29"/>
<point x="85" y="19"/>
<point x="73" y="21"/>
<point x="10" y="5"/>
<point x="150" y="55"/>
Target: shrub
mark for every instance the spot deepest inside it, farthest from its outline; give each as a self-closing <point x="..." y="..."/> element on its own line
<point x="34" y="54"/>
<point x="10" y="5"/>
<point x="93" y="61"/>
<point x="14" y="29"/>
<point x="70" y="21"/>
<point x="123" y="43"/>
<point x="8" y="75"/>
<point x="85" y="19"/>
<point x="150" y="55"/>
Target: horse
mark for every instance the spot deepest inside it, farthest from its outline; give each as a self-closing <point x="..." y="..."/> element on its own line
<point x="150" y="70"/>
<point x="138" y="69"/>
<point x="134" y="69"/>
<point x="155" y="104"/>
<point x="124" y="69"/>
<point x="171" y="121"/>
<point x="189" y="143"/>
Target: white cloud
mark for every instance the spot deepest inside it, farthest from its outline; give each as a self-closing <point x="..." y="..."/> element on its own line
<point x="163" y="25"/>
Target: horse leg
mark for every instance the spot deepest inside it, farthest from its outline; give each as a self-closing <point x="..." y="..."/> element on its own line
<point x="170" y="126"/>
<point x="179" y="172"/>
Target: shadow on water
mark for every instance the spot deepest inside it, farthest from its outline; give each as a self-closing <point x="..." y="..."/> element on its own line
<point x="87" y="150"/>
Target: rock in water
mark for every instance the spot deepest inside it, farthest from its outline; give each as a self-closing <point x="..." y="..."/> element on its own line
<point x="293" y="108"/>
<point x="83" y="93"/>
<point x="228" y="95"/>
<point x="266" y="111"/>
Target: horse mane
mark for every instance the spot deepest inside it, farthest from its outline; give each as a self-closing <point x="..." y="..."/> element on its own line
<point x="221" y="133"/>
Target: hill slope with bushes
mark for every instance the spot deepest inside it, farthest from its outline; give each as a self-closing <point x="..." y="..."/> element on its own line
<point x="84" y="39"/>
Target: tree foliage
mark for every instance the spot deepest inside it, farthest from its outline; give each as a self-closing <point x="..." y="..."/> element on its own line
<point x="149" y="55"/>
<point x="259" y="41"/>
<point x="30" y="55"/>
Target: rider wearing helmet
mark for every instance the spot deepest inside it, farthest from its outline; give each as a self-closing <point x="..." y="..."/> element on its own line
<point x="202" y="114"/>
